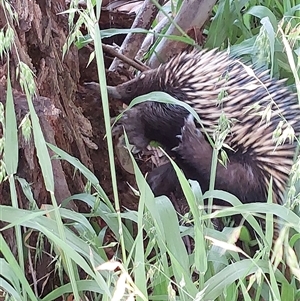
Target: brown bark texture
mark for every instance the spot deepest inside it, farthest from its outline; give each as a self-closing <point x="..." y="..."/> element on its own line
<point x="40" y="35"/>
<point x="39" y="38"/>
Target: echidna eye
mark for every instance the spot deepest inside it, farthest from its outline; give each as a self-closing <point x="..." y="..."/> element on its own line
<point x="129" y="89"/>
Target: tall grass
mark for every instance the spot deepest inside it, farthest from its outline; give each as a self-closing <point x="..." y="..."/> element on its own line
<point x="152" y="263"/>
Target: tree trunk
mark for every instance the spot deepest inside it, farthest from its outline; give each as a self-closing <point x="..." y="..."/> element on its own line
<point x="40" y="35"/>
<point x="40" y="38"/>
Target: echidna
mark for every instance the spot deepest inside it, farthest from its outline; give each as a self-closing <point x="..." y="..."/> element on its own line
<point x="199" y="78"/>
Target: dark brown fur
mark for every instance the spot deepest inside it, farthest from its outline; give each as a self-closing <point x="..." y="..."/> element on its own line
<point x="198" y="80"/>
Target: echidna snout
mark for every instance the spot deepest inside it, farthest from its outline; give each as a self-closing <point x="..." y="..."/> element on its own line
<point x="133" y="88"/>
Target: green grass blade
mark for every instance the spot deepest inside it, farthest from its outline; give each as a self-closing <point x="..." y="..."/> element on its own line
<point x="11" y="146"/>
<point x="16" y="269"/>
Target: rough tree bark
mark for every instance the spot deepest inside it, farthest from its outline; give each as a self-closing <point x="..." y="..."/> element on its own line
<point x="39" y="38"/>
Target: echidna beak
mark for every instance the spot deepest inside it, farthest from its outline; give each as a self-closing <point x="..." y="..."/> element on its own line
<point x="92" y="86"/>
<point x="112" y="91"/>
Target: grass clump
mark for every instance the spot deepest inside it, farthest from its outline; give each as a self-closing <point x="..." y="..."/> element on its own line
<point x="150" y="260"/>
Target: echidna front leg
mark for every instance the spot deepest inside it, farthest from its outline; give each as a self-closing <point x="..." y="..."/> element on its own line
<point x="134" y="125"/>
<point x="240" y="177"/>
<point x="151" y="121"/>
<point x="162" y="123"/>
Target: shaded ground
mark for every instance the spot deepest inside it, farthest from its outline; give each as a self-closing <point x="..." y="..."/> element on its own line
<point x="90" y="104"/>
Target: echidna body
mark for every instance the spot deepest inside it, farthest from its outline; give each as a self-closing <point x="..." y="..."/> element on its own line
<point x="214" y="83"/>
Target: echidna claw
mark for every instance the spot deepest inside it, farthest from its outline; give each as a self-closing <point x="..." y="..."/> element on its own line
<point x="190" y="119"/>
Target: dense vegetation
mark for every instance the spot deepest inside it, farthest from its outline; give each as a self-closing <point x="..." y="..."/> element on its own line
<point x="150" y="259"/>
